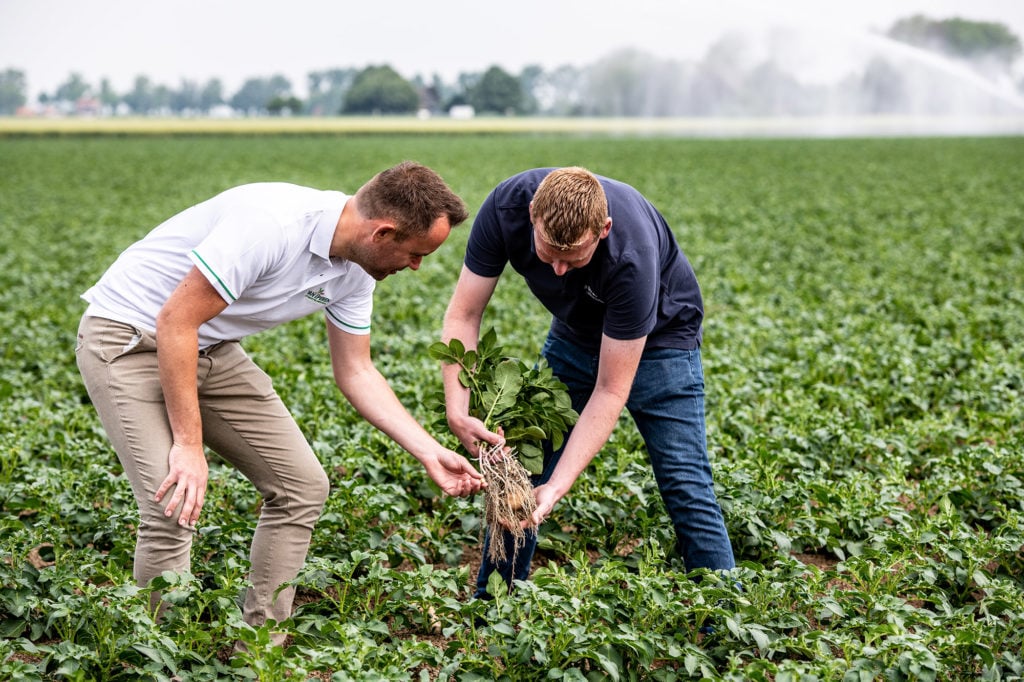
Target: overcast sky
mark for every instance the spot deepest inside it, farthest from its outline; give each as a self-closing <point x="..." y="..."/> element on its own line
<point x="235" y="39"/>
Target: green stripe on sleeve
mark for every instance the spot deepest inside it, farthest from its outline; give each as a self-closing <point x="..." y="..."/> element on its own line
<point x="219" y="280"/>
<point x="343" y="323"/>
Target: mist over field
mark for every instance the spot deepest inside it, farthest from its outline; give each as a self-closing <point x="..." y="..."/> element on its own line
<point x="804" y="75"/>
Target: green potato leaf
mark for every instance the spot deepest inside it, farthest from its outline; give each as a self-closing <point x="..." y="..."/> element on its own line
<point x="528" y="402"/>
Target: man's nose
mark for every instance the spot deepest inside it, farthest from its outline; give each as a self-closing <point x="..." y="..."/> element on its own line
<point x="560" y="267"/>
<point x="416" y="262"/>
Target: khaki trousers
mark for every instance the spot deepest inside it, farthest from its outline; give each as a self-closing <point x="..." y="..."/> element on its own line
<point x="244" y="421"/>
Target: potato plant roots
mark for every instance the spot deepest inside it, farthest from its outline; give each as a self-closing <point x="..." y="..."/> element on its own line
<point x="508" y="501"/>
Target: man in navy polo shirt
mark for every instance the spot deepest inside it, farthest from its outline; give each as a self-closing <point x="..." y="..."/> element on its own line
<point x="625" y="332"/>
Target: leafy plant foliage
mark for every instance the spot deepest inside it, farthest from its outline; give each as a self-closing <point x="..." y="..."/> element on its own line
<point x="529" y="403"/>
<point x="865" y="420"/>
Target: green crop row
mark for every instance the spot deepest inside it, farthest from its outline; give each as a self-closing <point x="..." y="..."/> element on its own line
<point x="865" y="311"/>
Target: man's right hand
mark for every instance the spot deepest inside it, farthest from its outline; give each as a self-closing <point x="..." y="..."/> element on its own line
<point x="454" y="474"/>
<point x="188" y="473"/>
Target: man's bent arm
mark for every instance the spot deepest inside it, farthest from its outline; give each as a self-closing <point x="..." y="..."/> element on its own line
<point x="462" y="321"/>
<point x="615" y="373"/>
<point x="192" y="303"/>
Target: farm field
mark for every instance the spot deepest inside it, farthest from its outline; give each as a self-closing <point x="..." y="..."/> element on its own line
<point x="865" y="371"/>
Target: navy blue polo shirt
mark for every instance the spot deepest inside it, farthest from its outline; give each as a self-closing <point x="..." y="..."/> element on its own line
<point x="639" y="283"/>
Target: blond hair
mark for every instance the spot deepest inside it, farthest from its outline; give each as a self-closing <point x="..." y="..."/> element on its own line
<point x="571" y="204"/>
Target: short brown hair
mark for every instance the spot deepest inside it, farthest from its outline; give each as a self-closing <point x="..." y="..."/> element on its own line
<point x="571" y="203"/>
<point x="413" y="196"/>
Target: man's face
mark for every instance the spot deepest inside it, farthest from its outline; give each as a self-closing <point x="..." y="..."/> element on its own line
<point x="564" y="260"/>
<point x="384" y="256"/>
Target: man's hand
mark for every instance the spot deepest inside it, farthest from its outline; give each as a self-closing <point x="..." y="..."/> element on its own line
<point x="188" y="473"/>
<point x="471" y="432"/>
<point x="454" y="474"/>
<point x="547" y="497"/>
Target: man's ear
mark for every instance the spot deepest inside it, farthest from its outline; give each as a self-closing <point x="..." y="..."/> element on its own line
<point x="607" y="228"/>
<point x="382" y="231"/>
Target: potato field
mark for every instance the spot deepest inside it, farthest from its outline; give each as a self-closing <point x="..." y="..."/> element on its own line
<point x="864" y="357"/>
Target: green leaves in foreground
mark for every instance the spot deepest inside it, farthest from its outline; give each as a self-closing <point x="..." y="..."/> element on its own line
<point x="865" y="411"/>
<point x="530" y="404"/>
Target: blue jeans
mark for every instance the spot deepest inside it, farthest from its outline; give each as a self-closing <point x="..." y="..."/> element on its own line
<point x="667" y="404"/>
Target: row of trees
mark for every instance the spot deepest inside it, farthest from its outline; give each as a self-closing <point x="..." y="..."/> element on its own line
<point x="625" y="83"/>
<point x="370" y="90"/>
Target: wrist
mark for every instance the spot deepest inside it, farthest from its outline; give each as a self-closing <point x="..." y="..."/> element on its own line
<point x="457" y="421"/>
<point x="559" y="485"/>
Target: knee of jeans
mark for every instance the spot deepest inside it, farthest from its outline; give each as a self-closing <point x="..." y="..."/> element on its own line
<point x="319" y="488"/>
<point x="307" y="493"/>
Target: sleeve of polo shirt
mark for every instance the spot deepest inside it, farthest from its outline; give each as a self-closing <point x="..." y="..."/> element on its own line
<point x="633" y="294"/>
<point x="241" y="247"/>
<point x="353" y="311"/>
<point x="486" y="254"/>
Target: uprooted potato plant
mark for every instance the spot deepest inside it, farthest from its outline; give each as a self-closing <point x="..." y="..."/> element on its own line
<point x="531" y="406"/>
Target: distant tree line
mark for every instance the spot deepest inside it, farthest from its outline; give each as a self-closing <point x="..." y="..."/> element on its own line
<point x="959" y="37"/>
<point x="624" y="83"/>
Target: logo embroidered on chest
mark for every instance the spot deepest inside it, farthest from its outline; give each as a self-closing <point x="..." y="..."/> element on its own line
<point x="318" y="296"/>
<point x="591" y="293"/>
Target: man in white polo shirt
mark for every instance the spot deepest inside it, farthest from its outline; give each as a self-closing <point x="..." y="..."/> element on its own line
<point x="251" y="258"/>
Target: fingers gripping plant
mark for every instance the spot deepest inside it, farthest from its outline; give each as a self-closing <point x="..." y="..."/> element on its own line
<point x="531" y="405"/>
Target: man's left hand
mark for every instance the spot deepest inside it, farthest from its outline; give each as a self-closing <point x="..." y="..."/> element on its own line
<point x="547" y="497"/>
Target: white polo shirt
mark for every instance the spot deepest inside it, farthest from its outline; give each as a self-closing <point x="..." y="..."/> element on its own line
<point x="263" y="247"/>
